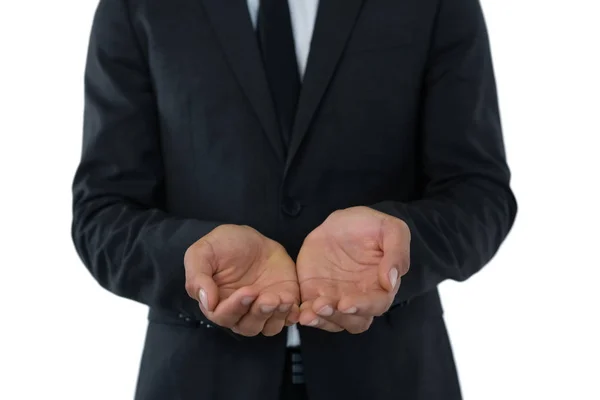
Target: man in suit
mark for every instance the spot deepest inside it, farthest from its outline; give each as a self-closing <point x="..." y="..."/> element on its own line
<point x="250" y="166"/>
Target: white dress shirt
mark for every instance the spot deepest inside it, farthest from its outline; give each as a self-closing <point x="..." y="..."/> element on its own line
<point x="304" y="14"/>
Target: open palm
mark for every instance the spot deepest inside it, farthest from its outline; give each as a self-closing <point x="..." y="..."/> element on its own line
<point x="337" y="261"/>
<point x="247" y="259"/>
<point x="347" y="264"/>
<point x="243" y="280"/>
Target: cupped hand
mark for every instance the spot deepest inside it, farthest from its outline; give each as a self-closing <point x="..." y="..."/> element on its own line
<point x="350" y="267"/>
<point x="243" y="281"/>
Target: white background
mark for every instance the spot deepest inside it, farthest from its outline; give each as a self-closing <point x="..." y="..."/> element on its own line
<point x="525" y="328"/>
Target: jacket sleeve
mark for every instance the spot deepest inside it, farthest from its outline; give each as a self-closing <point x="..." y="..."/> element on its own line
<point x="467" y="207"/>
<point x="120" y="229"/>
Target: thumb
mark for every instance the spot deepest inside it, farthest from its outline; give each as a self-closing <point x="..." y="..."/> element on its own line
<point x="206" y="292"/>
<point x="396" y="253"/>
<point x="199" y="282"/>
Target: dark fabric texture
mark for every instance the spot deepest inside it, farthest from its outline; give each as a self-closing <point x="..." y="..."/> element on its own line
<point x="398" y="111"/>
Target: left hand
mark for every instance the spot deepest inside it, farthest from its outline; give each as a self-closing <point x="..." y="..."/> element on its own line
<point x="349" y="269"/>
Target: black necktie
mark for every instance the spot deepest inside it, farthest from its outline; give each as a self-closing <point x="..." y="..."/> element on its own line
<point x="276" y="41"/>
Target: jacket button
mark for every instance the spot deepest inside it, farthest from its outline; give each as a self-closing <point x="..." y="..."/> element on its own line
<point x="291" y="207"/>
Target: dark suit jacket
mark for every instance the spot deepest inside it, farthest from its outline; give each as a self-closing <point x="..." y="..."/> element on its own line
<point x="398" y="111"/>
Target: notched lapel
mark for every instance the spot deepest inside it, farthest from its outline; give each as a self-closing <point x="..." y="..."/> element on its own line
<point x="335" y="20"/>
<point x="231" y="21"/>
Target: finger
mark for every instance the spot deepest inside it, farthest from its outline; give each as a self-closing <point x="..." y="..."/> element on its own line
<point x="199" y="283"/>
<point x="231" y="310"/>
<point x="396" y="253"/>
<point x="293" y="316"/>
<point x="324" y="306"/>
<point x="309" y="318"/>
<point x="273" y="326"/>
<point x="354" y="324"/>
<point x="254" y="321"/>
<point x="290" y="297"/>
<point x="276" y="323"/>
<point x="375" y="303"/>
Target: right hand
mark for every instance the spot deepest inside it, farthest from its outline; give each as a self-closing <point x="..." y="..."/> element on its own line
<point x="243" y="281"/>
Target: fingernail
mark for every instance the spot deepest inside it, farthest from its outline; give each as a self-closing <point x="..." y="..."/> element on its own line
<point x="314" y="322"/>
<point x="285" y="307"/>
<point x="203" y="298"/>
<point x="267" y="309"/>
<point x="326" y="311"/>
<point x="351" y="310"/>
<point x="393" y="277"/>
<point x="246" y="301"/>
<point x="235" y="330"/>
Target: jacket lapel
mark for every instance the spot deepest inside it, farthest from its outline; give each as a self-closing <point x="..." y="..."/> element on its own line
<point x="335" y="20"/>
<point x="231" y="21"/>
